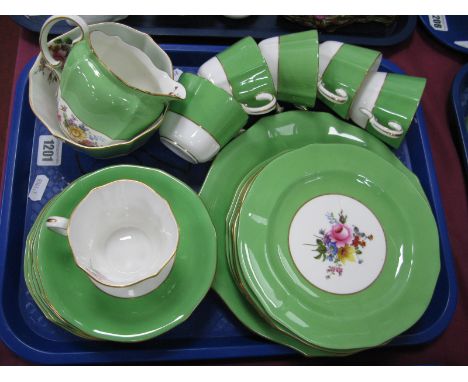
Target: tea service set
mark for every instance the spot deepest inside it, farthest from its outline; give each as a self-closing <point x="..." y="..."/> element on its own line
<point x="309" y="228"/>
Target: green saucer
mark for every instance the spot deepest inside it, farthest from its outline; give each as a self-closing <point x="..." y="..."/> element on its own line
<point x="33" y="280"/>
<point x="346" y="235"/>
<point x="102" y="316"/>
<point x="268" y="137"/>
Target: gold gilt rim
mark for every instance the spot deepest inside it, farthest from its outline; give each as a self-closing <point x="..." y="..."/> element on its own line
<point x="263" y="313"/>
<point x="179" y="147"/>
<point x="152" y="127"/>
<point x="121" y="79"/>
<point x="136" y="282"/>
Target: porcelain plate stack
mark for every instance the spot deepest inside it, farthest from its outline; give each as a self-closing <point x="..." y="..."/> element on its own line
<point x="328" y="244"/>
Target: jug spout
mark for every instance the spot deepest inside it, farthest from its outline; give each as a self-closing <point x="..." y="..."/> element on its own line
<point x="173" y="89"/>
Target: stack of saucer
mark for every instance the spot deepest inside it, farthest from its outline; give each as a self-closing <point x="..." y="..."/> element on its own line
<point x="329" y="245"/>
<point x="134" y="258"/>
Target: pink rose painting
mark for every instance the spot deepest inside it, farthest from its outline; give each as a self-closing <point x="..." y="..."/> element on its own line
<point x="340" y="244"/>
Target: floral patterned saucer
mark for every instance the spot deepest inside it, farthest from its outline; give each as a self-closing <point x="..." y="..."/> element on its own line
<point x="44" y="85"/>
<point x="348" y="236"/>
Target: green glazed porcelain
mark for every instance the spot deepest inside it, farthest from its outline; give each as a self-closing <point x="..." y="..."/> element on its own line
<point x="267" y="138"/>
<point x="102" y="316"/>
<point x="348" y="236"/>
<point x="210" y="107"/>
<point x="298" y="68"/>
<point x="247" y="72"/>
<point x="44" y="87"/>
<point x="110" y="90"/>
<point x="344" y="75"/>
<point x="33" y="282"/>
<point x="267" y="327"/>
<point x="397" y="102"/>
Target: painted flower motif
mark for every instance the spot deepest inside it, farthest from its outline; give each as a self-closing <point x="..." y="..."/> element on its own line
<point x="340" y="234"/>
<point x="342" y="243"/>
<point x="346" y="253"/>
<point x="77" y="130"/>
<point x="76" y="133"/>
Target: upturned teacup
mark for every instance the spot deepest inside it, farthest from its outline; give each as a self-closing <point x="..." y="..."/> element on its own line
<point x="110" y="90"/>
<point x="293" y="61"/>
<point x="199" y="126"/>
<point x="242" y="72"/>
<point x="343" y="68"/>
<point x="123" y="235"/>
<point x="386" y="105"/>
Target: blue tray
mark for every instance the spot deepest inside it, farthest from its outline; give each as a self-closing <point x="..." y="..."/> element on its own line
<point x="259" y="27"/>
<point x="212" y="332"/>
<point x="449" y="30"/>
<point x="460" y="107"/>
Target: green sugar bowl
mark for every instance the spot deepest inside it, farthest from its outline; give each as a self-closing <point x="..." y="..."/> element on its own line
<point x="110" y="89"/>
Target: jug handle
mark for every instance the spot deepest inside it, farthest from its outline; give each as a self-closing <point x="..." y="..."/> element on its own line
<point x="48" y="24"/>
<point x="58" y="224"/>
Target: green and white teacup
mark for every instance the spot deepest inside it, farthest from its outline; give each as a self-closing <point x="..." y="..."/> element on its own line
<point x="242" y="71"/>
<point x="110" y="89"/>
<point x="293" y="62"/>
<point x="198" y="127"/>
<point x="343" y="68"/>
<point x="386" y="104"/>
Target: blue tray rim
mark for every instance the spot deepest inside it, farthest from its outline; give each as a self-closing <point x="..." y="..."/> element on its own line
<point x="393" y="39"/>
<point x="21" y="348"/>
<point x="425" y="20"/>
<point x="458" y="109"/>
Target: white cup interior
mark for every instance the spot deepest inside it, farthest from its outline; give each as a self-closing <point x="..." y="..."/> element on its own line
<point x="122" y="233"/>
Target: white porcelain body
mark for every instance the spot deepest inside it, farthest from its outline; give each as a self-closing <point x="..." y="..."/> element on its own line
<point x="339" y="274"/>
<point x="122" y="234"/>
<point x="270" y="51"/>
<point x="187" y="139"/>
<point x="367" y="97"/>
<point x="138" y="289"/>
<point x="44" y="83"/>
<point x="327" y="51"/>
<point x="213" y="71"/>
<point x="133" y="66"/>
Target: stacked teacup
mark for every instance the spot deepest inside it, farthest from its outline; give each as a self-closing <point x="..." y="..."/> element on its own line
<point x="295" y="69"/>
<point x="245" y="79"/>
<point x="382" y="103"/>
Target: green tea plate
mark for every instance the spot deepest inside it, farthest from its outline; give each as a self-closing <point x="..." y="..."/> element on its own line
<point x="102" y="316"/>
<point x="347" y="235"/>
<point x="268" y="327"/>
<point x="271" y="136"/>
<point x="231" y="253"/>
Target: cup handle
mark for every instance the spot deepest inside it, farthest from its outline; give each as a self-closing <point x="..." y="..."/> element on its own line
<point x="58" y="224"/>
<point x="49" y="23"/>
<point x="340" y="96"/>
<point x="394" y="129"/>
<point x="262" y="109"/>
